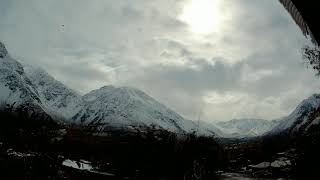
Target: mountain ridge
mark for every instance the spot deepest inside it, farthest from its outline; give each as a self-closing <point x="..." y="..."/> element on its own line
<point x="300" y="119"/>
<point x="59" y="100"/>
<point x="246" y="127"/>
<point x="130" y="106"/>
<point x="33" y="90"/>
<point x="17" y="92"/>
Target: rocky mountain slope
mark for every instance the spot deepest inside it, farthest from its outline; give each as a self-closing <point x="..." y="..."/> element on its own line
<point x="112" y="106"/>
<point x="17" y="93"/>
<point x="58" y="99"/>
<point x="300" y="121"/>
<point x="302" y="118"/>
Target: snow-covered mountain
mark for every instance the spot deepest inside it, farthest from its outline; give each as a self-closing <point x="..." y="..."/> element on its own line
<point x="36" y="92"/>
<point x="305" y="116"/>
<point x="33" y="91"/>
<point x="302" y="118"/>
<point x="112" y="106"/>
<point x="59" y="100"/>
<point x="109" y="106"/>
<point x="246" y="127"/>
<point x="16" y="90"/>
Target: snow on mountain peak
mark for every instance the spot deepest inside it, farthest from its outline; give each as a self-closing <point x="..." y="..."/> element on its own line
<point x="9" y="63"/>
<point x="126" y="106"/>
<point x="16" y="89"/>
<point x="124" y="93"/>
<point x="299" y="118"/>
<point x="311" y="102"/>
<point x="57" y="98"/>
<point x="112" y="106"/>
<point x="3" y="50"/>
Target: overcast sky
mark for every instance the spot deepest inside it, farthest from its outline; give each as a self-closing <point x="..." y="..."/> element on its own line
<point x="220" y="59"/>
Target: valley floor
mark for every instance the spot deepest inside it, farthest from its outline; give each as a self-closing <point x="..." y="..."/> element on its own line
<point x="54" y="151"/>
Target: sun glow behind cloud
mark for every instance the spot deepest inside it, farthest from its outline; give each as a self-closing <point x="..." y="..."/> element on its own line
<point x="203" y="16"/>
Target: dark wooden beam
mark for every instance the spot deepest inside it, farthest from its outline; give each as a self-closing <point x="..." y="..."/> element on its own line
<point x="305" y="13"/>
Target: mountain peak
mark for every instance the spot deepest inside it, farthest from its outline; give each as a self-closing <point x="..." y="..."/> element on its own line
<point x="9" y="63"/>
<point x="107" y="87"/>
<point x="3" y="50"/>
<point x="312" y="102"/>
<point x="313" y="98"/>
<point x="246" y="127"/>
<point x="122" y="90"/>
<point x="126" y="106"/>
<point x="300" y="118"/>
<point x="111" y="87"/>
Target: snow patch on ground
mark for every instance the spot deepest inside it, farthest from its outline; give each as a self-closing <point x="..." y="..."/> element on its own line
<point x="11" y="152"/>
<point x="262" y="165"/>
<point x="81" y="165"/>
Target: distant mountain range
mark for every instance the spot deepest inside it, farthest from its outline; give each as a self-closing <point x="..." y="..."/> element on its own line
<point x="35" y="93"/>
<point x="246" y="127"/>
<point x="300" y="121"/>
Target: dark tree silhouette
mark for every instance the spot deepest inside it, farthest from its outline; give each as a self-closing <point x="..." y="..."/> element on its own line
<point x="312" y="56"/>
